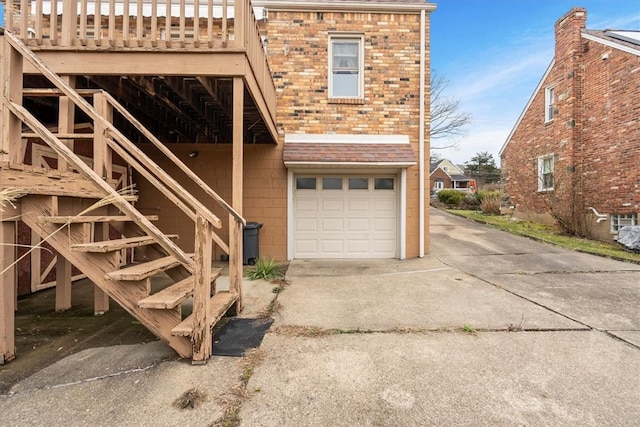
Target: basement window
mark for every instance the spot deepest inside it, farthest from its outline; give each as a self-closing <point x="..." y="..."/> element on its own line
<point x="621" y="220"/>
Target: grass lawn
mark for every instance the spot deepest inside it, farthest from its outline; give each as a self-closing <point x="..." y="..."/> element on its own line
<point x="548" y="234"/>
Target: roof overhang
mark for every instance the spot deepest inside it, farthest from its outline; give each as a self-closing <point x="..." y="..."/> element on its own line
<point x="348" y="151"/>
<point x="347" y="6"/>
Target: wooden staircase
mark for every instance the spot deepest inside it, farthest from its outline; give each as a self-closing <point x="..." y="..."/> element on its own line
<point x="86" y="239"/>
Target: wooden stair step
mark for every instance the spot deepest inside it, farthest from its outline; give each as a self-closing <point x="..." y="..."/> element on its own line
<point x="144" y="270"/>
<point x="220" y="303"/>
<point x="79" y="219"/>
<point x="116" y="244"/>
<point x="173" y="295"/>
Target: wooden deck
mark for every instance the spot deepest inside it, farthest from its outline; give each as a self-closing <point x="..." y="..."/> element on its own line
<point x="186" y="50"/>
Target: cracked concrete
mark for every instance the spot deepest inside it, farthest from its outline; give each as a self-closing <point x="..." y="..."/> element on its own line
<point x="555" y="343"/>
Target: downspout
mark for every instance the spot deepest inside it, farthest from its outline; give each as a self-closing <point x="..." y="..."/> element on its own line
<point x="422" y="128"/>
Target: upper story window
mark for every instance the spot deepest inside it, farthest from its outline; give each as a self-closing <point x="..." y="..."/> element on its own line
<point x="445" y="168"/>
<point x="546" y="165"/>
<point x="549" y="103"/>
<point x="346" y="66"/>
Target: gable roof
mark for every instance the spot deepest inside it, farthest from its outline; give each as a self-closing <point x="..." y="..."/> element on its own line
<point x="457" y="171"/>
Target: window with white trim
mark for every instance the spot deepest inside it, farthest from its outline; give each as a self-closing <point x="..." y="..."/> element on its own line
<point x="621" y="220"/>
<point x="549" y="104"/>
<point x="546" y="165"/>
<point x="439" y="185"/>
<point x="346" y="66"/>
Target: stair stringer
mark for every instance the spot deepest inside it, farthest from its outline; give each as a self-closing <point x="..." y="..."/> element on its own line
<point x="95" y="266"/>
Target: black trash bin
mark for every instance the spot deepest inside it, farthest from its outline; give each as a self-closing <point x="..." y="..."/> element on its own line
<point x="251" y="243"/>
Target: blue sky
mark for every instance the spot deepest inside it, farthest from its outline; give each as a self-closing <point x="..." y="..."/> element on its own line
<point x="494" y="53"/>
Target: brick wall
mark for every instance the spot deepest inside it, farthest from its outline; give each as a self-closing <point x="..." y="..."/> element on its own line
<point x="594" y="134"/>
<point x="298" y="57"/>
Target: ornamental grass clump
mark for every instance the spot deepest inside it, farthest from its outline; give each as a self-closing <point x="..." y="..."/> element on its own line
<point x="266" y="269"/>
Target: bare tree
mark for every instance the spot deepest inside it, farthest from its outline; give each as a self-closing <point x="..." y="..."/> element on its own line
<point x="447" y="121"/>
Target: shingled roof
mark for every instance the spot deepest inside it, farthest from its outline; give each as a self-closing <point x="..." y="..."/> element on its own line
<point x="314" y="151"/>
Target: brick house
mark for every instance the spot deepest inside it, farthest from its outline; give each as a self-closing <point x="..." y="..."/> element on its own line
<point x="446" y="175"/>
<point x="310" y="117"/>
<point x="573" y="154"/>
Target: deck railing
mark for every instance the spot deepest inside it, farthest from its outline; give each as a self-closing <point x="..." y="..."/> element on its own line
<point x="215" y="25"/>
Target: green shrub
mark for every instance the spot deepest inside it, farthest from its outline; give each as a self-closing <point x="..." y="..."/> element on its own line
<point x="471" y="201"/>
<point x="451" y="197"/>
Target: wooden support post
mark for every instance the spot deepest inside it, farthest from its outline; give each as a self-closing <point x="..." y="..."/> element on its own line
<point x="235" y="229"/>
<point x="63" y="283"/>
<point x="7" y="292"/>
<point x="100" y="297"/>
<point x="66" y="119"/>
<point x="63" y="271"/>
<point x="202" y="336"/>
<point x="102" y="165"/>
<point x="11" y="87"/>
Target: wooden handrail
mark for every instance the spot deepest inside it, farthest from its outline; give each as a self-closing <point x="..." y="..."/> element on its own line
<point x="171" y="156"/>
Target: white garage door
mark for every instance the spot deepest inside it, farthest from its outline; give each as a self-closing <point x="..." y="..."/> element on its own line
<point x="345" y="216"/>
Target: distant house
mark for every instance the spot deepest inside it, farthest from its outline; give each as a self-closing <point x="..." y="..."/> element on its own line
<point x="574" y="153"/>
<point x="445" y="175"/>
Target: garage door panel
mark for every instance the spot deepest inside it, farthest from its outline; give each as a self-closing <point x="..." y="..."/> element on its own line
<point x="306" y="204"/>
<point x="385" y="205"/>
<point x="332" y="225"/>
<point x="360" y="247"/>
<point x="358" y="204"/>
<point x="307" y="225"/>
<point x="332" y="247"/>
<point x="333" y="204"/>
<point x="384" y="224"/>
<point x="306" y="246"/>
<point x="358" y="225"/>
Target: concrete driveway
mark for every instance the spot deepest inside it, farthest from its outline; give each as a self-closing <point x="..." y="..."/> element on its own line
<point x="489" y="329"/>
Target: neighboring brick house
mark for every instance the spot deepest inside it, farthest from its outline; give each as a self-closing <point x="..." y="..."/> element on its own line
<point x="445" y="175"/>
<point x="575" y="150"/>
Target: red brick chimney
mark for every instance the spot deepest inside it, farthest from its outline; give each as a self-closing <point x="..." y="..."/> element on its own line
<point x="568" y="33"/>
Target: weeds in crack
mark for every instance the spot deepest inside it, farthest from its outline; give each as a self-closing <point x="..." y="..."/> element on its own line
<point x="516" y="328"/>
<point x="232" y="401"/>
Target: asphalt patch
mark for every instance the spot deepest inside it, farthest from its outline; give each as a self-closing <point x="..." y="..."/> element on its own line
<point x="238" y="335"/>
